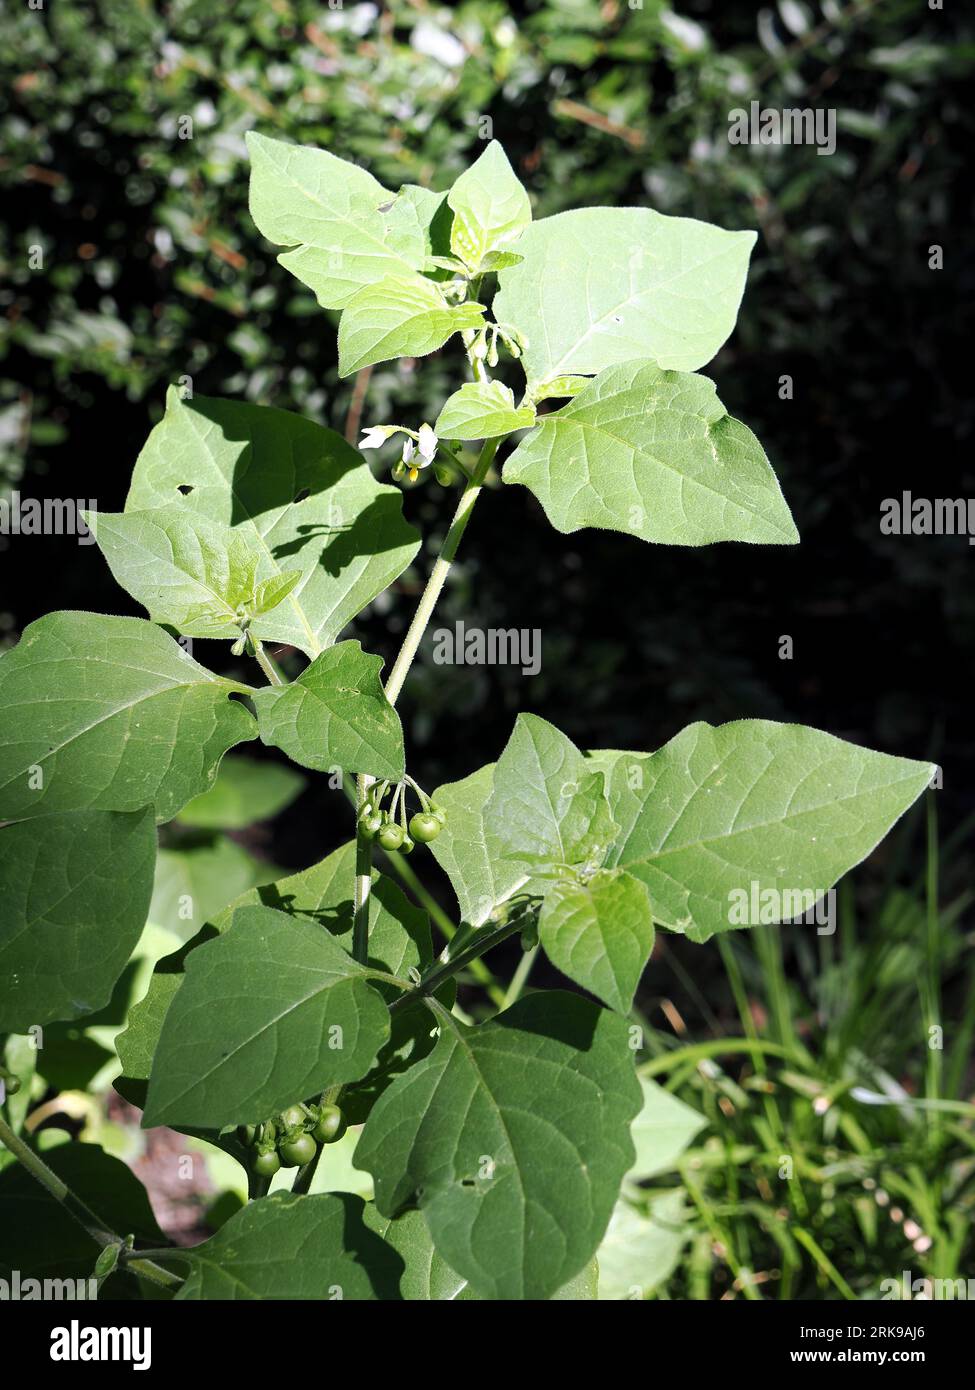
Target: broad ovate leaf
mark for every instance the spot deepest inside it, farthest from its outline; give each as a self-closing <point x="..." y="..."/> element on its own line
<point x="298" y="1247"/>
<point x="399" y="941"/>
<point x="547" y="807"/>
<point x="245" y="791"/>
<point x="491" y="208"/>
<point x="195" y="575"/>
<point x="296" y="493"/>
<point x="199" y="876"/>
<point x="344" y="229"/>
<point x="418" y="215"/>
<point x="426" y="1276"/>
<point x="642" y="1246"/>
<point x="399" y="318"/>
<point x="110" y="714"/>
<point x="74" y="893"/>
<point x="599" y="286"/>
<point x="600" y="934"/>
<point x="471" y="857"/>
<point x="335" y="715"/>
<point x="512" y="1138"/>
<point x="653" y="454"/>
<point x="271" y="1011"/>
<point x="662" y="1131"/>
<point x="482" y="410"/>
<point x="751" y="813"/>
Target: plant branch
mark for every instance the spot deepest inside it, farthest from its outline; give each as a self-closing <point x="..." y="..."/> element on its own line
<point x="363" y="877"/>
<point x="402" y="664"/>
<point x="441" y="568"/>
<point x="76" y="1208"/>
<point x="483" y="941"/>
<point x="266" y="664"/>
<point x="405" y="871"/>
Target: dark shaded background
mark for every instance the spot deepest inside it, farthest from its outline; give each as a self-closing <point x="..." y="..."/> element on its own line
<point x="153" y="269"/>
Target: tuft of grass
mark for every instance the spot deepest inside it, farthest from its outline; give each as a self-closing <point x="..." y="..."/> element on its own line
<point x="835" y="1072"/>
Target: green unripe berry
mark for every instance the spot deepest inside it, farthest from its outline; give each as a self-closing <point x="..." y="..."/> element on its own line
<point x="295" y="1153"/>
<point x="424" y="827"/>
<point x="292" y="1117"/>
<point x="267" y="1164"/>
<point x="391" y="836"/>
<point x="331" y="1125"/>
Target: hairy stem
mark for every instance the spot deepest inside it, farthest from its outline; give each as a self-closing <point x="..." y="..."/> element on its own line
<point x="267" y="665"/>
<point x="76" y="1208"/>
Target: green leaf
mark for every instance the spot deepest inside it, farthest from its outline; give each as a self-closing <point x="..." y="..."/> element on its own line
<point x="39" y="1238"/>
<point x="427" y="1278"/>
<point x="653" y="454"/>
<point x="482" y="411"/>
<point x="512" y="1138"/>
<point x="246" y="791"/>
<point x="500" y="260"/>
<point x="491" y="208"/>
<point x="600" y="934"/>
<point x="270" y="1012"/>
<point x="271" y="592"/>
<point x="296" y="493"/>
<point x="109" y="714"/>
<point x="559" y="387"/>
<point x="720" y="816"/>
<point x="197" y="878"/>
<point x="284" y="1246"/>
<point x="640" y="1250"/>
<point x="399" y="318"/>
<point x="662" y="1131"/>
<point x="418" y="215"/>
<point x="547" y="806"/>
<point x="335" y="715"/>
<point x="192" y="574"/>
<point x="599" y="286"/>
<point x="330" y="212"/>
<point x="470" y="856"/>
<point x="399" y="940"/>
<point x="74" y="893"/>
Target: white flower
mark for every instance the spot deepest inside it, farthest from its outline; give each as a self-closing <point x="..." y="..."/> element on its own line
<point x="428" y="445"/>
<point x="376" y="435"/>
<point x="409" y="448"/>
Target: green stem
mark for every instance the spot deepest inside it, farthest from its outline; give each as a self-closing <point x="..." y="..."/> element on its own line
<point x="401" y="666"/>
<point x="363" y="878"/>
<point x="696" y="1052"/>
<point x="484" y="940"/>
<point x="76" y="1208"/>
<point x="441" y="568"/>
<point x="266" y="664"/>
<point x="931" y="988"/>
<point x="425" y="898"/>
<point x="520" y="978"/>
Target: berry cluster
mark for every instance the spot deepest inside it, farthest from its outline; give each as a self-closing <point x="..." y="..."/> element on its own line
<point x="291" y="1139"/>
<point x="389" y="828"/>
